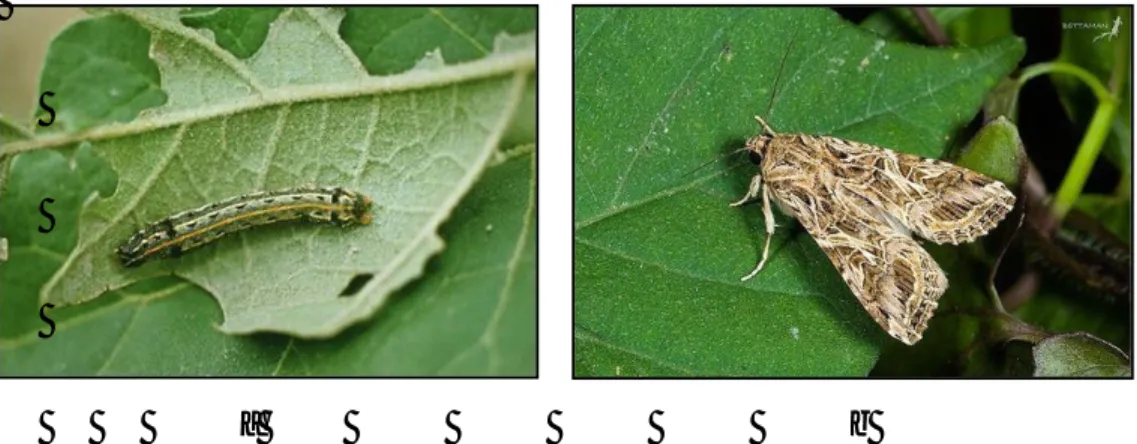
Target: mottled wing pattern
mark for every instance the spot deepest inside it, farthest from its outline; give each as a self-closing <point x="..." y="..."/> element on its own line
<point x="896" y="280"/>
<point x="936" y="200"/>
<point x="861" y="203"/>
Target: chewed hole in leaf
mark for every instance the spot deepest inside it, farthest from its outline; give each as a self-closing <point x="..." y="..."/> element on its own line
<point x="417" y="142"/>
<point x="356" y="284"/>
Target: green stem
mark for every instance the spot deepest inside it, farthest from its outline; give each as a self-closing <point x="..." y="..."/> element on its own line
<point x="1084" y="160"/>
<point x="1092" y="141"/>
<point x="1091" y="81"/>
<point x="993" y="294"/>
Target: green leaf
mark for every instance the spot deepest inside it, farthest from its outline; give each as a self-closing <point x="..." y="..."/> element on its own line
<point x="67" y="177"/>
<point x="476" y="308"/>
<point x="9" y="132"/>
<point x="301" y="110"/>
<point x="900" y="24"/>
<point x="240" y="31"/>
<point x="99" y="72"/>
<point x="981" y="26"/>
<point x="473" y="313"/>
<point x="523" y="130"/>
<point x="964" y="26"/>
<point x="995" y="152"/>
<point x="659" y="253"/>
<point x="388" y="40"/>
<point x="1079" y="355"/>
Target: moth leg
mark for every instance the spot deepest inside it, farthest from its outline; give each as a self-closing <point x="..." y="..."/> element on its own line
<point x="769" y="216"/>
<point x="755" y="185"/>
<point x="765" y="127"/>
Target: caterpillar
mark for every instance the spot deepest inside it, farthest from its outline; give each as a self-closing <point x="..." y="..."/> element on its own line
<point x="179" y="232"/>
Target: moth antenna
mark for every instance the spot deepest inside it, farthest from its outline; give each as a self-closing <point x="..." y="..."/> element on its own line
<point x="770" y="106"/>
<point x="765" y="128"/>
<point x="716" y="159"/>
<point x="774" y="93"/>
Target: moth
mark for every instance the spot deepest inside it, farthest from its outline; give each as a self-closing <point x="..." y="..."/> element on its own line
<point x="175" y="234"/>
<point x="862" y="203"/>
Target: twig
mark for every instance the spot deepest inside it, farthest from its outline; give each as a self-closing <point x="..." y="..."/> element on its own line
<point x="931" y="27"/>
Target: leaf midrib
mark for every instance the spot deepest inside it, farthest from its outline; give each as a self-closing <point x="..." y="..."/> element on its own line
<point x="499" y="65"/>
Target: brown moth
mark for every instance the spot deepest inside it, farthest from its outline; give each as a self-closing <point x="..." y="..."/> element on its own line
<point x="862" y="203"/>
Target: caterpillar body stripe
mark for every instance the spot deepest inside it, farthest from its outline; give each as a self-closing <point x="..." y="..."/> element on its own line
<point x="175" y="234"/>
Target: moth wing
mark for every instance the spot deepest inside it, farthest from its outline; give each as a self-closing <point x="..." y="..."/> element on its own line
<point x="938" y="201"/>
<point x="896" y="280"/>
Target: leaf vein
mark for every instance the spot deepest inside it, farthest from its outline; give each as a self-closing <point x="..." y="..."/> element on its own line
<point x="595" y="339"/>
<point x="660" y="118"/>
<point x="457" y="30"/>
<point x="915" y="98"/>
